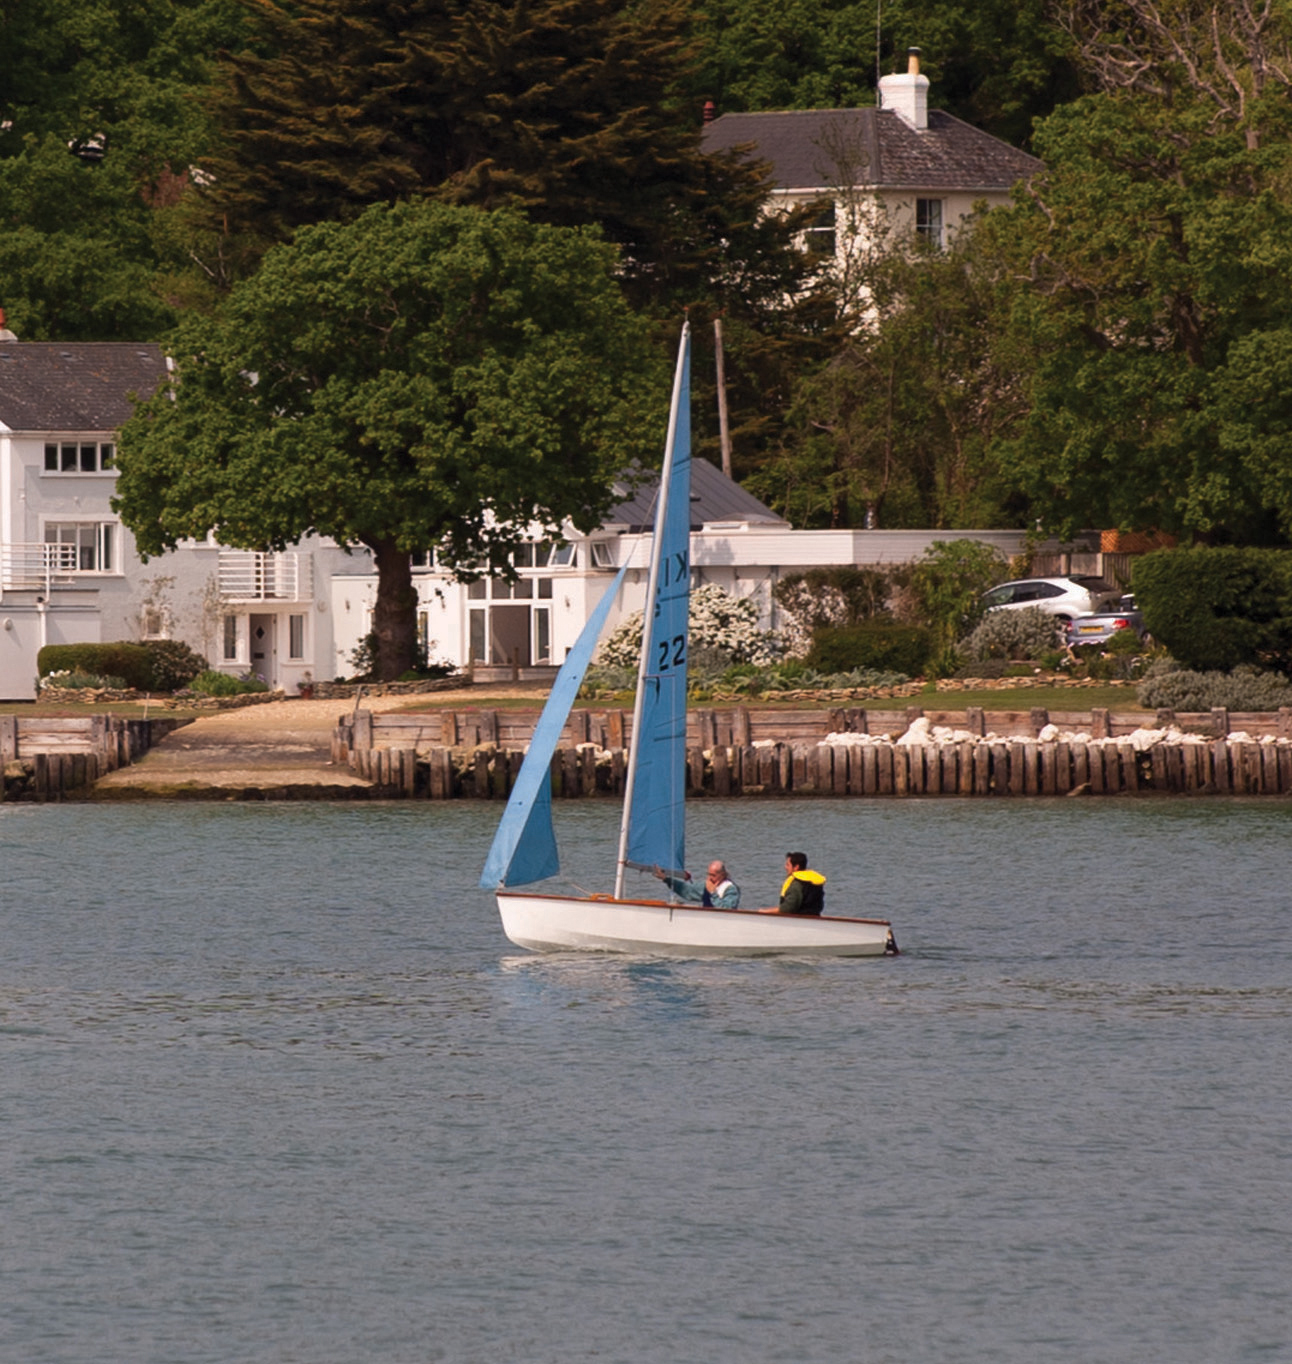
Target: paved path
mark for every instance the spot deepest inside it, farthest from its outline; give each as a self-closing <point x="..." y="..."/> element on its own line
<point x="277" y="751"/>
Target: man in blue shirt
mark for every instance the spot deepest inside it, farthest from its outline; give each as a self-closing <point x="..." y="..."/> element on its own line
<point x="719" y="891"/>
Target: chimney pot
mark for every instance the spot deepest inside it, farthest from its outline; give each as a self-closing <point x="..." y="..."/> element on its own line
<point x="907" y="95"/>
<point x="710" y="111"/>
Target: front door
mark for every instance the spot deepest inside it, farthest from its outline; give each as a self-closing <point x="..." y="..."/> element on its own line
<point x="509" y="634"/>
<point x="264" y="653"/>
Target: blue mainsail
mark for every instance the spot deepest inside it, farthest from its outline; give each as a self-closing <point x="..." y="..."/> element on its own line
<point x="656" y="832"/>
<point x="524" y="848"/>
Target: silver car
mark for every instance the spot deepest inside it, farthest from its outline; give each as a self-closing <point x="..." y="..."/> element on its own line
<point x="1062" y="598"/>
<point x="1123" y="614"/>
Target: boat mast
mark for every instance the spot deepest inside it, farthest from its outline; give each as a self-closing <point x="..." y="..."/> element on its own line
<point x="652" y="587"/>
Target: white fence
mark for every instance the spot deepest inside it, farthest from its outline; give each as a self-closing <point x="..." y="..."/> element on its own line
<point x="35" y="567"/>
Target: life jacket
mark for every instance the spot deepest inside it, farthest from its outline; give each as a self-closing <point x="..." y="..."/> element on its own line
<point x="813" y="889"/>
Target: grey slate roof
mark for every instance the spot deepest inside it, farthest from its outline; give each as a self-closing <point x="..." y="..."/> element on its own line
<point x="884" y="150"/>
<point x="78" y="386"/>
<point x="714" y="497"/>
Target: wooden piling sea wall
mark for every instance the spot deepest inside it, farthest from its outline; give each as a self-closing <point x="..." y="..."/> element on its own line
<point x="867" y="753"/>
<point x="51" y="758"/>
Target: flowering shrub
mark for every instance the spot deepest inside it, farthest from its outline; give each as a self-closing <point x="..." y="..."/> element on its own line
<point x="67" y="679"/>
<point x="718" y="622"/>
<point x="828" y="596"/>
<point x="1028" y="633"/>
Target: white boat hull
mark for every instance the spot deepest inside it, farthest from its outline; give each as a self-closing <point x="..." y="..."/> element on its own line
<point x="558" y="923"/>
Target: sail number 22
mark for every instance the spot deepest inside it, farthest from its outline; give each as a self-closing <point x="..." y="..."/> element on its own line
<point x="672" y="652"/>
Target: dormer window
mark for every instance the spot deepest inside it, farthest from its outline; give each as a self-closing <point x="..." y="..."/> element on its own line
<point x="79" y="457"/>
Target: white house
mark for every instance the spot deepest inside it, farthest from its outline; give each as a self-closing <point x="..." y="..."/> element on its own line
<point x="737" y="543"/>
<point x="898" y="168"/>
<point x="69" y="571"/>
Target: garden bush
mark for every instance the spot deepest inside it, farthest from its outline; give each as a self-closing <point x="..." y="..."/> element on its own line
<point x="1215" y="608"/>
<point x="131" y="663"/>
<point x="874" y="644"/>
<point x="1029" y="633"/>
<point x="213" y="683"/>
<point x="174" y="664"/>
<point x="1168" y="686"/>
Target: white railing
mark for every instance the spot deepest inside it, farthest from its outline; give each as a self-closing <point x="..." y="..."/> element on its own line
<point x="36" y="567"/>
<point x="246" y="575"/>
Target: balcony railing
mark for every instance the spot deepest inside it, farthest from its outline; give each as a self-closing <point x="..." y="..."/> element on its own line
<point x="246" y="575"/>
<point x="36" y="567"/>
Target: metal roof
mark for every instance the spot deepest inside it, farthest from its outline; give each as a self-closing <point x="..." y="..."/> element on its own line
<point x="714" y="498"/>
<point x="74" y="386"/>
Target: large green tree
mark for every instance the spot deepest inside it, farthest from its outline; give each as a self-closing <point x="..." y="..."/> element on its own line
<point x="427" y="376"/>
<point x="1155" y="251"/>
<point x="573" y="110"/>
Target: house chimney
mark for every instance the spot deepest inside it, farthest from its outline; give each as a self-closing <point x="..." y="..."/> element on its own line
<point x="908" y="95"/>
<point x="5" y="335"/>
<point x="710" y="111"/>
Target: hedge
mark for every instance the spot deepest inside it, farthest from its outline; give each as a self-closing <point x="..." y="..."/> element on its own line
<point x="877" y="644"/>
<point x="130" y="662"/>
<point x="1216" y="608"/>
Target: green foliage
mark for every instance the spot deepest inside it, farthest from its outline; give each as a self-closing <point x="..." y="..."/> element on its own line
<point x="947" y="584"/>
<point x="130" y="662"/>
<point x="901" y="426"/>
<point x="875" y="644"/>
<point x="997" y="65"/>
<point x="1185" y="689"/>
<point x="1153" y="327"/>
<point x="424" y="376"/>
<point x="174" y="664"/>
<point x="1214" y="608"/>
<point x="1028" y="633"/>
<point x="98" y="122"/>
<point x="213" y="683"/>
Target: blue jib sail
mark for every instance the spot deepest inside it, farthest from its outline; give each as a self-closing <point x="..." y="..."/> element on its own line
<point x="657" y="826"/>
<point x="524" y="848"/>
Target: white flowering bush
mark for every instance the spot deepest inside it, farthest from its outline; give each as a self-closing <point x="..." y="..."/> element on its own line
<point x="719" y="624"/>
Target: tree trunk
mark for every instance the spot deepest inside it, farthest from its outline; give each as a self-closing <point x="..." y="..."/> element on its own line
<point x="394" y="617"/>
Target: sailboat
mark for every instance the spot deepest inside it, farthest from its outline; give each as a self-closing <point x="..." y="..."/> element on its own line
<point x="653" y="826"/>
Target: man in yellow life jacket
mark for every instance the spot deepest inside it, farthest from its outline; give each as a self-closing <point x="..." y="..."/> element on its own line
<point x="803" y="891"/>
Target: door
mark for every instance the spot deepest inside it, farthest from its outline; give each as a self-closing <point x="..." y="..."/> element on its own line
<point x="509" y="635"/>
<point x="264" y="652"/>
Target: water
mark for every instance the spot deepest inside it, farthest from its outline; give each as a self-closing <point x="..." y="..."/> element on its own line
<point x="276" y="1089"/>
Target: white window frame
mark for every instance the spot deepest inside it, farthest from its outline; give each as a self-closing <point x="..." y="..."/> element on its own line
<point x="930" y="221"/>
<point x="102" y="540"/>
<point x="296" y="637"/>
<point x="66" y="456"/>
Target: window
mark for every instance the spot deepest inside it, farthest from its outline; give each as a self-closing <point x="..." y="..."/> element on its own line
<point x="820" y="235"/>
<point x="602" y="554"/>
<point x="542" y="636"/>
<point x="563" y="556"/>
<point x="82" y="546"/>
<point x="79" y="457"/>
<point x="296" y="637"/>
<point x="230" y="639"/>
<point x="928" y="222"/>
